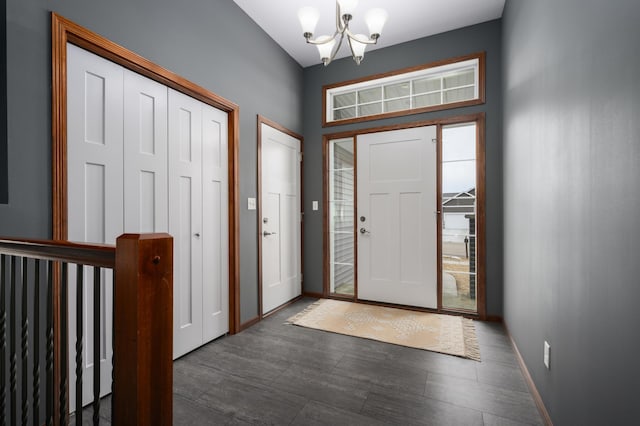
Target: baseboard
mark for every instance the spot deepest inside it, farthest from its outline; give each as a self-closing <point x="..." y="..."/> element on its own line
<point x="281" y="307"/>
<point x="494" y="318"/>
<point x="527" y="377"/>
<point x="314" y="295"/>
<point x="249" y="323"/>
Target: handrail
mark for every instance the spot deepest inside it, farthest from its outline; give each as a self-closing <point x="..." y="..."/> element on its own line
<point x="142" y="374"/>
<point x="101" y="255"/>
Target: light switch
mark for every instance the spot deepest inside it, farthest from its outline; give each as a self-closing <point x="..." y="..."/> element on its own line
<point x="314" y="205"/>
<point x="251" y="203"/>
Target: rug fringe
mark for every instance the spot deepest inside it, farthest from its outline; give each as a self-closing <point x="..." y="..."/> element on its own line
<point x="471" y="345"/>
<point x="293" y="319"/>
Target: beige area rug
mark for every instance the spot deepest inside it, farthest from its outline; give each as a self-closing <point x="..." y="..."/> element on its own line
<point x="448" y="334"/>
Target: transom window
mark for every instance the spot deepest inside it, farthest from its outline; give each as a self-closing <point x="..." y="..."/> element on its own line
<point x="430" y="87"/>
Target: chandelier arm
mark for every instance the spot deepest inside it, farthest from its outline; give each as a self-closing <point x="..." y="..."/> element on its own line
<point x="335" y="49"/>
<point x="340" y="25"/>
<point x="316" y="40"/>
<point x="369" y="40"/>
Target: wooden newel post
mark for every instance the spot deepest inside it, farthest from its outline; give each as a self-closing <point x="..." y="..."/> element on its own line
<point x="143" y="330"/>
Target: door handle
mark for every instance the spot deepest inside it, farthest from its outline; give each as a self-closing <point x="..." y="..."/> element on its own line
<point x="267" y="233"/>
<point x="197" y="235"/>
<point x="364" y="231"/>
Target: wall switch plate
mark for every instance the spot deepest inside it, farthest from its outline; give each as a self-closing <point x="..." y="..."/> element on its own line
<point x="314" y="205"/>
<point x="547" y="350"/>
<point x="251" y="203"/>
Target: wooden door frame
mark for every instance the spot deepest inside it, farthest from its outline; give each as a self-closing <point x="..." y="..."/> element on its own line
<point x="263" y="120"/>
<point x="64" y="31"/>
<point x="479" y="119"/>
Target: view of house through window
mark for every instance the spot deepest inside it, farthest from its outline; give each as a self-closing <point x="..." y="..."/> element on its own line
<point x="341" y="213"/>
<point x="458" y="234"/>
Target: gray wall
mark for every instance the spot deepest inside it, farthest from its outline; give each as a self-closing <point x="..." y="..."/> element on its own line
<point x="571" y="202"/>
<point x="210" y="42"/>
<point x="482" y="37"/>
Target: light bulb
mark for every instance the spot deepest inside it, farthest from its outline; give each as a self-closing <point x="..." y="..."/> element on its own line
<point x="308" y="17"/>
<point x="347" y="6"/>
<point x="358" y="47"/>
<point x="375" y="19"/>
<point x="326" y="48"/>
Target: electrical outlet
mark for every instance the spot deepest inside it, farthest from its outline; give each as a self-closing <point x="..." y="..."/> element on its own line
<point x="547" y="350"/>
<point x="251" y="203"/>
<point x="314" y="205"/>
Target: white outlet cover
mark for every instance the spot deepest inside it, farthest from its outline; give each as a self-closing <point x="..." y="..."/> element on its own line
<point x="314" y="205"/>
<point x="547" y="350"/>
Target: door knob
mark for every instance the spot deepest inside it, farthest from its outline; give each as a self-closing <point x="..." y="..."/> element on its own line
<point x="267" y="233"/>
<point x="364" y="231"/>
<point x="197" y="235"/>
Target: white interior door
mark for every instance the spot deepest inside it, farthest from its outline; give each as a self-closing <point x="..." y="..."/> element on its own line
<point x="215" y="223"/>
<point x="198" y="221"/>
<point x="95" y="180"/>
<point x="281" y="218"/>
<point x="185" y="219"/>
<point x="397" y="240"/>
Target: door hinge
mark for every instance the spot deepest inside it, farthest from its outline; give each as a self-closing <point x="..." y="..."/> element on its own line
<point x="434" y="140"/>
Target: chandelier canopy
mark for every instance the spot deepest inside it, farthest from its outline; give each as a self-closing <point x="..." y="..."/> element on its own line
<point x="328" y="45"/>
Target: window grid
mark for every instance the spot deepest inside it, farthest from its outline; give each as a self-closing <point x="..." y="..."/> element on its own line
<point x="352" y="107"/>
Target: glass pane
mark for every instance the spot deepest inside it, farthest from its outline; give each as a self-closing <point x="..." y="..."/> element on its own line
<point x="370" y="109"/>
<point x="397" y="105"/>
<point x="425" y="85"/>
<point x="341" y="217"/>
<point x="458" y="176"/>
<point x="461" y="78"/>
<point x="422" y="101"/>
<point x="343" y="185"/>
<point x="370" y="95"/>
<point x="344" y="100"/>
<point x="460" y="143"/>
<point x="396" y="90"/>
<point x="457" y="95"/>
<point x="342" y="114"/>
<point x="458" y="234"/>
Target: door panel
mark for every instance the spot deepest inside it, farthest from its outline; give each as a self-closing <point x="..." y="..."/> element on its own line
<point x="145" y="155"/>
<point x="397" y="242"/>
<point x="185" y="219"/>
<point x="281" y="218"/>
<point x="95" y="181"/>
<point x="215" y="224"/>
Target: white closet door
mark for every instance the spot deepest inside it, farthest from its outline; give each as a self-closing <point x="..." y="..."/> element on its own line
<point x="185" y="219"/>
<point x="145" y="155"/>
<point x="215" y="223"/>
<point x="95" y="205"/>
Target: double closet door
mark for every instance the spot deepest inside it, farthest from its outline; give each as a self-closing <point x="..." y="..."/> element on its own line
<point x="142" y="157"/>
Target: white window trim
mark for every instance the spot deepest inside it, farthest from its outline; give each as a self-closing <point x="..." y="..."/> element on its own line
<point x="436" y="71"/>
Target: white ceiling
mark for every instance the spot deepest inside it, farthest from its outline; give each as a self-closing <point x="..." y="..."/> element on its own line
<point x="408" y="20"/>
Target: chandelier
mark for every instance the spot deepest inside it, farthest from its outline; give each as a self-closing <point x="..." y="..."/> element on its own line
<point x="328" y="45"/>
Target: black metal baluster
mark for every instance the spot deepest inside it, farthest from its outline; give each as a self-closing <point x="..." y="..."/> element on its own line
<point x="25" y="343"/>
<point x="79" y="338"/>
<point x="49" y="367"/>
<point x="36" y="344"/>
<point x="113" y="342"/>
<point x="64" y="344"/>
<point x="96" y="345"/>
<point x="12" y="337"/>
<point x="3" y="337"/>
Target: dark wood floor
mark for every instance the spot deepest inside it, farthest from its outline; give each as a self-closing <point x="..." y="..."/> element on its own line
<point x="277" y="374"/>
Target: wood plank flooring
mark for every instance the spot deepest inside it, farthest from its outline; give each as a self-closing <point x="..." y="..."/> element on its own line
<point x="277" y="374"/>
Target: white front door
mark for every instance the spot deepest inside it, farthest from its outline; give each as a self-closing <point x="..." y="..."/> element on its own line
<point x="281" y="218"/>
<point x="396" y="217"/>
<point x="198" y="221"/>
